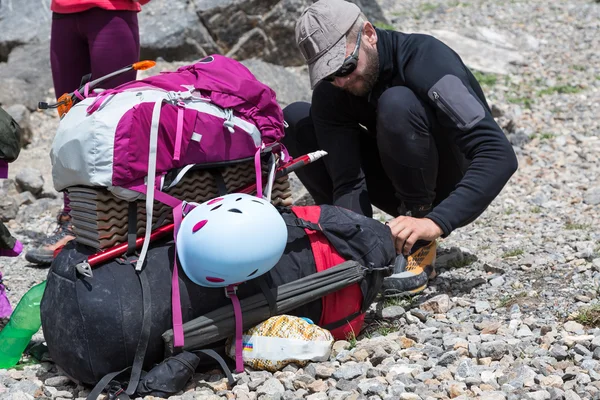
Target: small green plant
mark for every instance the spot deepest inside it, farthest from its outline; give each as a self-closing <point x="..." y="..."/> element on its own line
<point x="383" y="25"/>
<point x="579" y="67"/>
<point x="25" y="363"/>
<point x="509" y="211"/>
<point x="509" y="300"/>
<point x="561" y="89"/>
<point x="428" y="7"/>
<point x="536" y="210"/>
<point x="525" y="101"/>
<point x="351" y="338"/>
<point x="589" y="316"/>
<point x="513" y="253"/>
<point x="404" y="302"/>
<point x="485" y="79"/>
<point x="384" y="329"/>
<point x="574" y="227"/>
<point x="546" y="135"/>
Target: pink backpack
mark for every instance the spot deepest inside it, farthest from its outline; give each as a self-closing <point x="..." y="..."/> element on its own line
<point x="126" y="139"/>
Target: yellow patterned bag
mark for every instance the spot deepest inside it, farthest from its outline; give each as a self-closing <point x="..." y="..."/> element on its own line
<point x="282" y="340"/>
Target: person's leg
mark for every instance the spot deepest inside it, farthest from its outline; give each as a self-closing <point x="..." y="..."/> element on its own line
<point x="300" y="139"/>
<point x="114" y="42"/>
<point x="69" y="62"/>
<point x="69" y="54"/>
<point x="409" y="156"/>
<point x="408" y="150"/>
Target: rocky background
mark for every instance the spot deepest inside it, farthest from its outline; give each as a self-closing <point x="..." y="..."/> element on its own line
<point x="513" y="313"/>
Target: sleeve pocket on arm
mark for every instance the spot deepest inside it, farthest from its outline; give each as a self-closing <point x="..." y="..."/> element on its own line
<point x="452" y="97"/>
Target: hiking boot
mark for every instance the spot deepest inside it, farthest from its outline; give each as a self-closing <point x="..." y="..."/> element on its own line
<point x="411" y="273"/>
<point x="60" y="237"/>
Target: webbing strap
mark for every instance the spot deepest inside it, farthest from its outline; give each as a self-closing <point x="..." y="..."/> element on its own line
<point x="131" y="227"/>
<point x="239" y="326"/>
<point x="257" y="167"/>
<point x="140" y="351"/>
<point x="178" y="338"/>
<point x="151" y="176"/>
<point x="178" y="133"/>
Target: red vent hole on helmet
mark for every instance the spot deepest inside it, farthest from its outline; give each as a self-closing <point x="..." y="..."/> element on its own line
<point x="214" y="280"/>
<point x="199" y="225"/>
<point x="213" y="201"/>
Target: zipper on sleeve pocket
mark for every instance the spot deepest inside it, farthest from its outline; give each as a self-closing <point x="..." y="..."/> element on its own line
<point x="448" y="109"/>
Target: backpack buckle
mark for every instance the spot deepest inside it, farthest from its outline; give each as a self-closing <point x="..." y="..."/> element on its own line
<point x="114" y="391"/>
<point x="230" y="291"/>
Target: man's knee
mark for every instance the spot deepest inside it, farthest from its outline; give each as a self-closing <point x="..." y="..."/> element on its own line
<point x="294" y="114"/>
<point x="299" y="131"/>
<point x="401" y="111"/>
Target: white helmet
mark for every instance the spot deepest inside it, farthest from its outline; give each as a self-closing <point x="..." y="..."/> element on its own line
<point x="230" y="239"/>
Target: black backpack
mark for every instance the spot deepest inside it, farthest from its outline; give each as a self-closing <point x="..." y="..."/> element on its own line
<point x="10" y="137"/>
<point x="94" y="326"/>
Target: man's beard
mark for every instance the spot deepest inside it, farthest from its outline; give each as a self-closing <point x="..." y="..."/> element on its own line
<point x="366" y="82"/>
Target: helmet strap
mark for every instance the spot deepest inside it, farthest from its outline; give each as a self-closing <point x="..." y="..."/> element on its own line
<point x="231" y="292"/>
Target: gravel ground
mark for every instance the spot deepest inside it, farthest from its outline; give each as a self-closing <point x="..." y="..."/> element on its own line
<point x="511" y="313"/>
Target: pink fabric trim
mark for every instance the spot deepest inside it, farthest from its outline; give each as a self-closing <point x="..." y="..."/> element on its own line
<point x="239" y="324"/>
<point x="3" y="169"/>
<point x="75" y="6"/>
<point x="213" y="201"/>
<point x="99" y="101"/>
<point x="15" y="251"/>
<point x="199" y="226"/>
<point x="78" y="95"/>
<point x="257" y="167"/>
<point x="178" y="339"/>
<point x="158" y="195"/>
<point x="178" y="133"/>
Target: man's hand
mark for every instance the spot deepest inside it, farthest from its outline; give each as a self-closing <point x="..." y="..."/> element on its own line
<point x="407" y="230"/>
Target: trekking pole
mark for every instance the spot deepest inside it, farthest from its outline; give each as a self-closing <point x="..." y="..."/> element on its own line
<point x="116" y="251"/>
<point x="67" y="100"/>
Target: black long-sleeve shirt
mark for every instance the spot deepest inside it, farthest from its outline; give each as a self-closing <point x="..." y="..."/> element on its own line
<point x="437" y="75"/>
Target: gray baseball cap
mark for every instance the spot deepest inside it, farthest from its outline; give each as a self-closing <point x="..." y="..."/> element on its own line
<point x="320" y="35"/>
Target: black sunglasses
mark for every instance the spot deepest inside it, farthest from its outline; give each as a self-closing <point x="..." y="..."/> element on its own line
<point x="349" y="64"/>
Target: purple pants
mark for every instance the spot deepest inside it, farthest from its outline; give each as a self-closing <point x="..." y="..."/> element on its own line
<point x="95" y="41"/>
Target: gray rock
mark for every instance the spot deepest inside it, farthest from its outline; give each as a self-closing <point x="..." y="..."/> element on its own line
<point x="371" y="387"/>
<point x="538" y="395"/>
<point x="270" y="387"/>
<point x="592" y="196"/>
<point x="348" y="371"/>
<point x="18" y="396"/>
<point x="346" y="385"/>
<point x="22" y="23"/>
<point x="494" y="350"/>
<point x="335" y="394"/>
<point x="31" y="388"/>
<point x="479" y="55"/>
<point x="9" y="208"/>
<point x="392" y="312"/>
<point x="58" y="381"/>
<point x="289" y="86"/>
<point x="481" y="306"/>
<point x="440" y="304"/>
<point x="173" y="31"/>
<point x="558" y="352"/>
<point x="30" y="180"/>
<point x="448" y="358"/>
<point x="22" y="116"/>
<point x="27" y="72"/>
